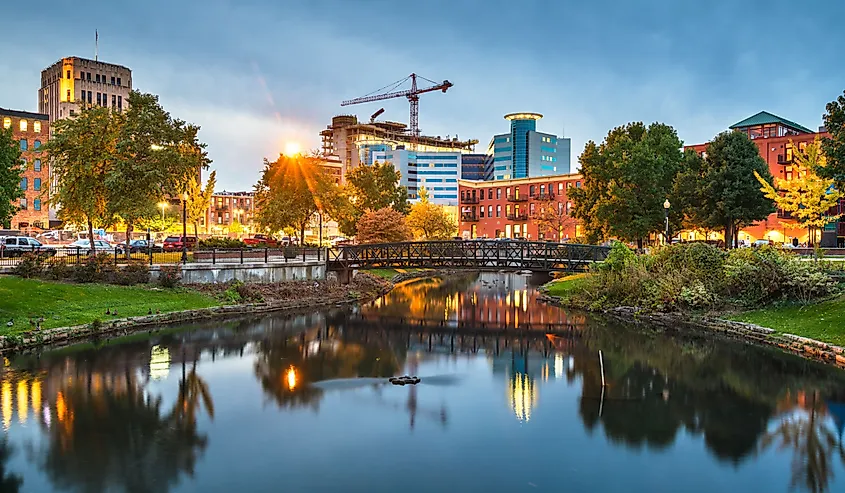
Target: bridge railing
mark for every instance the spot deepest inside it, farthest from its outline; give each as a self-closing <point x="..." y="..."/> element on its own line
<point x="542" y="256"/>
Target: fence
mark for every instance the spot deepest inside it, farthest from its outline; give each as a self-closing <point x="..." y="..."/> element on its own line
<point x="74" y="255"/>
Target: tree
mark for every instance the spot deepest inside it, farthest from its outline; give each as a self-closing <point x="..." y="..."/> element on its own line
<point x="10" y="175"/>
<point x="83" y="153"/>
<point x="834" y="146"/>
<point x="626" y="180"/>
<point x="291" y="190"/>
<point x="156" y="156"/>
<point x="552" y="218"/>
<point x="385" y="225"/>
<point x="368" y="188"/>
<point x="722" y="191"/>
<point x="199" y="200"/>
<point x="808" y="196"/>
<point x="430" y="221"/>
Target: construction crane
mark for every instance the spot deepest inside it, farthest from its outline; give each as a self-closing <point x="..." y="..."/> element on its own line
<point x="413" y="95"/>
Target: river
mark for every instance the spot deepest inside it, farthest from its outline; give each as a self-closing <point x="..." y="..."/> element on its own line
<point x="301" y="403"/>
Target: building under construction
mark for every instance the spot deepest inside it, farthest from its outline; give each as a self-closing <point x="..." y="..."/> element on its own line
<point x="354" y="142"/>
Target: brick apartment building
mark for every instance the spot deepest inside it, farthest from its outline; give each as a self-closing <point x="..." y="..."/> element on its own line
<point x="226" y="207"/>
<point x="31" y="131"/>
<point x="777" y="139"/>
<point x="508" y="208"/>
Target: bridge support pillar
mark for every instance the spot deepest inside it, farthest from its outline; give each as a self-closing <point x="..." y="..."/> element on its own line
<point x="344" y="276"/>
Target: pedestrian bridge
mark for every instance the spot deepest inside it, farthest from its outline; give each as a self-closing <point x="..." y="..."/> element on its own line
<point x="535" y="256"/>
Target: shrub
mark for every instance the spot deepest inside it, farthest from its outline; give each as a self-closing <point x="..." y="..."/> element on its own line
<point x="698" y="261"/>
<point x="98" y="268"/>
<point x="618" y="257"/>
<point x="58" y="270"/>
<point x="697" y="295"/>
<point x="232" y="294"/>
<point x="169" y="275"/>
<point x="30" y="265"/>
<point x="136" y="272"/>
<point x="221" y="243"/>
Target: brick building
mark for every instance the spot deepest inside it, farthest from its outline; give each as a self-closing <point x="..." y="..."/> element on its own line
<point x="73" y="80"/>
<point x="226" y="207"/>
<point x="776" y="138"/>
<point x="31" y="131"/>
<point x="509" y="208"/>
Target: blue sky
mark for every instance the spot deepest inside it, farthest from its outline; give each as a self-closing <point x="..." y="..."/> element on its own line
<point x="255" y="74"/>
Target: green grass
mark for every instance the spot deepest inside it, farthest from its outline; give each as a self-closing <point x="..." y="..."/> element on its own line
<point x="821" y="321"/>
<point x="64" y="304"/>
<point x="564" y="286"/>
<point x="389" y="274"/>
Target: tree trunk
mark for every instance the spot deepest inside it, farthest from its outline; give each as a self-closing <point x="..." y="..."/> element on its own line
<point x="195" y="230"/>
<point x="640" y="245"/>
<point x="302" y="235"/>
<point x="93" y="252"/>
<point x="729" y="236"/>
<point x="128" y="238"/>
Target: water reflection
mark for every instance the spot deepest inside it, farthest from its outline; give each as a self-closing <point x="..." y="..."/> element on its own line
<point x="142" y="414"/>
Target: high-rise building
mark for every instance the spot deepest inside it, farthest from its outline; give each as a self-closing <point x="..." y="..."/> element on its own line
<point x="476" y="167"/>
<point x="31" y="131"/>
<point x="74" y="80"/>
<point x="525" y="152"/>
<point x="438" y="172"/>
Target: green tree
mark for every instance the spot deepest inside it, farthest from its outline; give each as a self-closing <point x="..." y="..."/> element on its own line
<point x="834" y="146"/>
<point x="291" y="190"/>
<point x="199" y="200"/>
<point x="721" y="191"/>
<point x="10" y="176"/>
<point x="83" y="153"/>
<point x="368" y="188"/>
<point x="385" y="225"/>
<point x="808" y="196"/>
<point x="156" y="156"/>
<point x="430" y="221"/>
<point x="626" y="180"/>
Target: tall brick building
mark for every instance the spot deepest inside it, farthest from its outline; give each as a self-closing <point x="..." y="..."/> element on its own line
<point x="73" y="80"/>
<point x="31" y="131"/>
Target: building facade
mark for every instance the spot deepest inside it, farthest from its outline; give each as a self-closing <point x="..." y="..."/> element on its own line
<point x="513" y="208"/>
<point x="476" y="167"/>
<point x="777" y="139"/>
<point x="228" y="208"/>
<point x="31" y="131"/>
<point x="524" y="152"/>
<point x="438" y="172"/>
<point x="72" y="81"/>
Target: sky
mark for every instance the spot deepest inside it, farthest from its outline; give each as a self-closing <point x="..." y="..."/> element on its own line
<point x="257" y="74"/>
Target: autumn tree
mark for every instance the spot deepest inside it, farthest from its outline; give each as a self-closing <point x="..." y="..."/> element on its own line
<point x="430" y="221"/>
<point x="552" y="219"/>
<point x="10" y="176"/>
<point x="626" y="180"/>
<point x="83" y="153"/>
<point x="291" y="190"/>
<point x="807" y="197"/>
<point x="833" y="147"/>
<point x="385" y="225"/>
<point x="722" y="191"/>
<point x="368" y="188"/>
<point x="199" y="200"/>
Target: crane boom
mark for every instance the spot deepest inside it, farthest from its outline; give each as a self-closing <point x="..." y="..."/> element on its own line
<point x="413" y="96"/>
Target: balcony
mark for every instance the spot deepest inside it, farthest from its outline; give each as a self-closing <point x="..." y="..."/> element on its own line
<point x="544" y="196"/>
<point x="469" y="217"/>
<point x="518" y="216"/>
<point x="469" y="199"/>
<point x="515" y="198"/>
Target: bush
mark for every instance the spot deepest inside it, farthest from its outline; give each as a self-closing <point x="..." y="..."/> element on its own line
<point x="136" y="272"/>
<point x="221" y="243"/>
<point x="169" y="275"/>
<point x="31" y="265"/>
<point x="99" y="268"/>
<point x="58" y="270"/>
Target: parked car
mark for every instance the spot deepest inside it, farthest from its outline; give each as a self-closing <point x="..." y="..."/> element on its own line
<point x="340" y="240"/>
<point x="174" y="243"/>
<point x="261" y="241"/>
<point x="14" y="246"/>
<point x="84" y="245"/>
<point x="139" y="246"/>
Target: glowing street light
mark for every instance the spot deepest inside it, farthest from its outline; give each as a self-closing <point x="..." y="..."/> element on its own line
<point x="162" y="205"/>
<point x="666" y="206"/>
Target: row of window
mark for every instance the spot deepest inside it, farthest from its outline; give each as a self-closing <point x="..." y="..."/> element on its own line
<point x="516" y="210"/>
<point x="36" y="204"/>
<point x="36" y="165"/>
<point x="549" y="140"/>
<point x="102" y="99"/>
<point x="36" y="184"/>
<point x="548" y="158"/>
<point x="23" y="125"/>
<point x="547" y="149"/>
<point x="515" y="190"/>
<point x="115" y="81"/>
<point x="36" y="145"/>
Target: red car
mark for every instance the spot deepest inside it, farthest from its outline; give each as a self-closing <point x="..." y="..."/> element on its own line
<point x="261" y="241"/>
<point x="174" y="243"/>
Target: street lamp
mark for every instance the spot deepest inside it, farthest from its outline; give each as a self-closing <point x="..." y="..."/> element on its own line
<point x="666" y="206"/>
<point x="184" y="228"/>
<point x="162" y="205"/>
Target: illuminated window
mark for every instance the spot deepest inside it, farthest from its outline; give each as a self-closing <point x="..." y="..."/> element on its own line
<point x="7" y="122"/>
<point x="68" y="74"/>
<point x="23" y="125"/>
<point x="36" y="127"/>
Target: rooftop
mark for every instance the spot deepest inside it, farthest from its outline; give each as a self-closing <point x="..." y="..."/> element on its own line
<point x="523" y="116"/>
<point x="23" y="114"/>
<point x="766" y="118"/>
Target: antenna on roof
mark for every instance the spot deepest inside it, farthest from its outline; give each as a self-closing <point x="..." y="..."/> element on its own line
<point x="96" y="45"/>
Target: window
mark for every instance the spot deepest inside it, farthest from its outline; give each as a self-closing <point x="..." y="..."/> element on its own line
<point x="577" y="184"/>
<point x="36" y="165"/>
<point x="99" y="99"/>
<point x="508" y="210"/>
<point x="7" y="122"/>
<point x="23" y="125"/>
<point x="490" y="194"/>
<point x="67" y="95"/>
<point x="23" y="164"/>
<point x="98" y="77"/>
<point x="498" y="195"/>
<point x="68" y="74"/>
<point x="531" y="208"/>
<point x="36" y="204"/>
<point x="112" y="80"/>
<point x="508" y="192"/>
<point x="542" y="189"/>
<point x="560" y="187"/>
<point x="531" y="190"/>
<point x="482" y="211"/>
<point x="36" y="127"/>
<point x="88" y="76"/>
<point x="89" y="97"/>
<point x="23" y="204"/>
<point x="498" y="211"/>
<point x="113" y="100"/>
<point x="489" y="211"/>
<point x="23" y="145"/>
<point x="36" y="184"/>
<point x="119" y="104"/>
<point x="118" y="81"/>
<point x="36" y="145"/>
<point x="24" y="184"/>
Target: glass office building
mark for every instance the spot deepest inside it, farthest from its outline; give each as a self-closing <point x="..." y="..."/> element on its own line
<point x="525" y="152"/>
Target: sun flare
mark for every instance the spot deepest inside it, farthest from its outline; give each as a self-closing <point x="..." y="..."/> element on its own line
<point x="292" y="149"/>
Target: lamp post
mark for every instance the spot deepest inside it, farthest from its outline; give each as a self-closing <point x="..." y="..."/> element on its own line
<point x="162" y="205"/>
<point x="184" y="228"/>
<point x="666" y="206"/>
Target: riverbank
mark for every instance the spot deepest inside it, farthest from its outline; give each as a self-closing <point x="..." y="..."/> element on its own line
<point x="175" y="305"/>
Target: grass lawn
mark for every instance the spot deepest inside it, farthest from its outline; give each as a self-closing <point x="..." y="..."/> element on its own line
<point x="389" y="274"/>
<point x="64" y="304"/>
<point x="562" y="287"/>
<point x="822" y="321"/>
